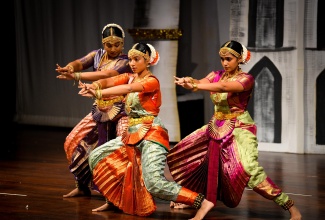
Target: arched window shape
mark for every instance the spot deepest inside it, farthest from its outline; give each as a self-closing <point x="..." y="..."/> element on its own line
<point x="320" y="25"/>
<point x="320" y="109"/>
<point x="265" y="23"/>
<point x="265" y="103"/>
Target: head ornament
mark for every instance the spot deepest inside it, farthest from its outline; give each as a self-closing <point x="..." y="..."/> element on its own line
<point x="153" y="58"/>
<point x="112" y="37"/>
<point x="233" y="48"/>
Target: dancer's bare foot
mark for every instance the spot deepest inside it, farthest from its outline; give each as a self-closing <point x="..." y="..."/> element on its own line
<point x="295" y="213"/>
<point x="177" y="205"/>
<point x="104" y="207"/>
<point x="76" y="192"/>
<point x="206" y="206"/>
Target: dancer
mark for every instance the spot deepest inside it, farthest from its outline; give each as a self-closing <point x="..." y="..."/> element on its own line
<point x="107" y="116"/>
<point x="129" y="170"/>
<point x="221" y="157"/>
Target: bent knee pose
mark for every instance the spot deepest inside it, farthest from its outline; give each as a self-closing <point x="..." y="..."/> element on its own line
<point x="129" y="170"/>
<point x="226" y="148"/>
<point x="107" y="116"/>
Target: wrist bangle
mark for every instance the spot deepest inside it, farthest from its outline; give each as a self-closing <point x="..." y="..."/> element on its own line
<point x="77" y="76"/>
<point x="98" y="94"/>
<point x="195" y="88"/>
<point x="97" y="84"/>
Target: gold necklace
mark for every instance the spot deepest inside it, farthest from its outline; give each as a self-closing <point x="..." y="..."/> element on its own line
<point x="131" y="96"/>
<point x="103" y="63"/>
<point x="139" y="79"/>
<point x="226" y="76"/>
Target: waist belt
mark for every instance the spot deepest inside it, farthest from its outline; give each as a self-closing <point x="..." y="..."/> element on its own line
<point x="145" y="119"/>
<point x="106" y="103"/>
<point x="224" y="116"/>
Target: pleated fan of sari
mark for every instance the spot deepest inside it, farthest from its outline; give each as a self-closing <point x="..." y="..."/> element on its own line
<point x="119" y="178"/>
<point x="189" y="167"/>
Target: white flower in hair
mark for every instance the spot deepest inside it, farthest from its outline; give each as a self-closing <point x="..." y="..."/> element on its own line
<point x="154" y="58"/>
<point x="114" y="25"/>
<point x="246" y="55"/>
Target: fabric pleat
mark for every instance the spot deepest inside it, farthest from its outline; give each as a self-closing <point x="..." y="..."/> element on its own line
<point x="121" y="182"/>
<point x="209" y="166"/>
<point x="85" y="126"/>
<point x="232" y="178"/>
<point x="188" y="164"/>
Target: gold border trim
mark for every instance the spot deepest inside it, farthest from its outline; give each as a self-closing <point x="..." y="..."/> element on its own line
<point x="155" y="34"/>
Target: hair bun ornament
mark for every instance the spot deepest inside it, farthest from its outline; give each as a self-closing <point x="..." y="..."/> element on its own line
<point x="246" y="55"/>
<point x="154" y="58"/>
<point x="114" y="25"/>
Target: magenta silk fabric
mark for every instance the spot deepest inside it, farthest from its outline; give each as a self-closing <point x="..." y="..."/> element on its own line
<point x="207" y="160"/>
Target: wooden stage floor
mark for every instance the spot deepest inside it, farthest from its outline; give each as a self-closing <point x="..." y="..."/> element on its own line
<point x="34" y="175"/>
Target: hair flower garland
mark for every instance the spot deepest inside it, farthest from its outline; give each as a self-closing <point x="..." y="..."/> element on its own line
<point x="114" y="25"/>
<point x="246" y="55"/>
<point x="154" y="58"/>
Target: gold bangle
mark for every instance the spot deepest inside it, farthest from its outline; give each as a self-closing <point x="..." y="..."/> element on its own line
<point x="195" y="88"/>
<point x="77" y="76"/>
<point x="70" y="68"/>
<point x="97" y="84"/>
<point x="98" y="94"/>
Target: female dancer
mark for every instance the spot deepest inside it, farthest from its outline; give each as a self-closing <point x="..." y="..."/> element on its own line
<point x="129" y="170"/>
<point x="106" y="117"/>
<point x="221" y="157"/>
